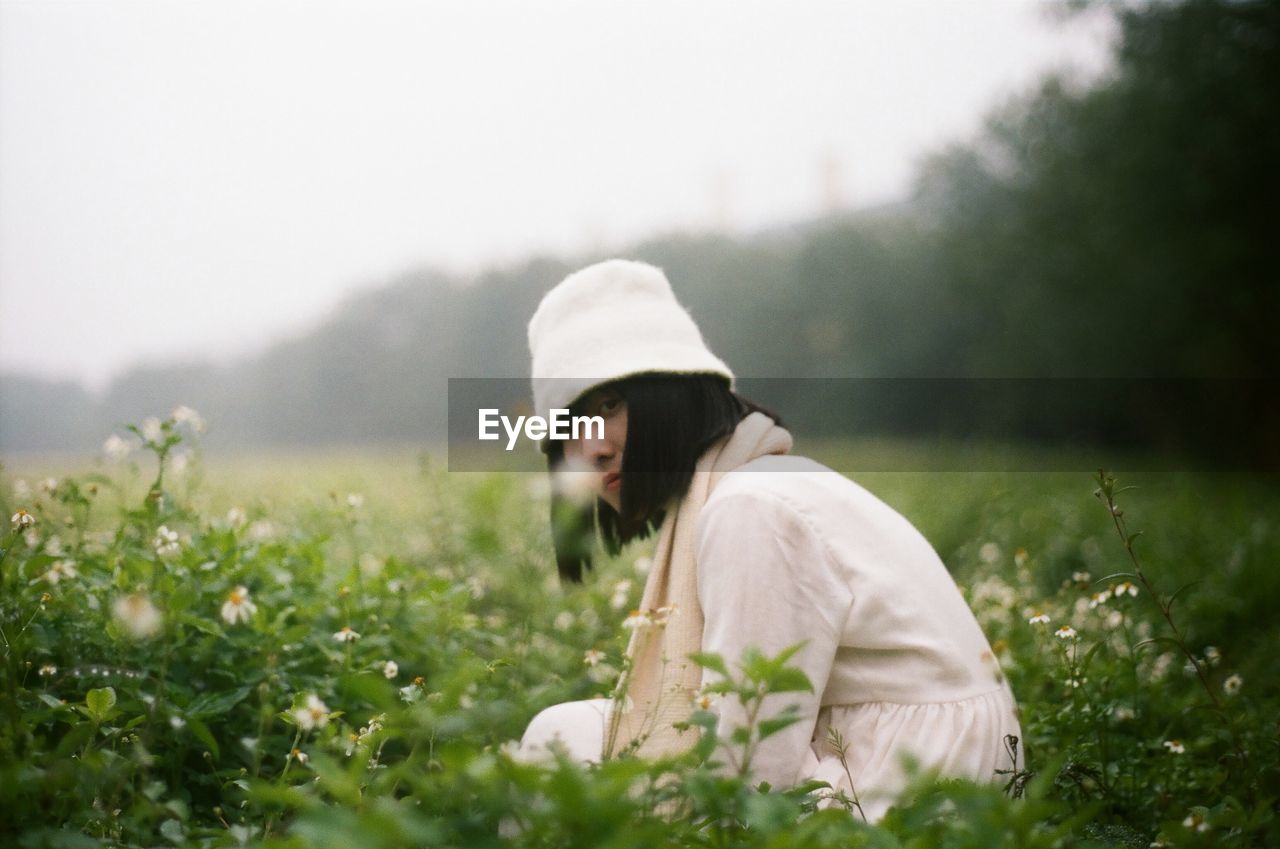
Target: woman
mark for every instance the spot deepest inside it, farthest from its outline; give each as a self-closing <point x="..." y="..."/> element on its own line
<point x="755" y="548"/>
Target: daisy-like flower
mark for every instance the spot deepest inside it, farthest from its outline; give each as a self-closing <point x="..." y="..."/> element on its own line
<point x="390" y="669"/>
<point x="1066" y="632"/>
<point x="1020" y="557"/>
<point x="1038" y="618"/>
<point x="575" y="481"/>
<point x="49" y="486"/>
<point x="1232" y="685"/>
<point x="355" y="500"/>
<point x="22" y="519"/>
<point x="706" y="701"/>
<point x="47" y="670"/>
<point x="592" y="657"/>
<point x="989" y="553"/>
<point x="237" y="607"/>
<point x="1195" y="822"/>
<point x="1122" y="713"/>
<point x="564" y="620"/>
<point x="300" y="756"/>
<point x="621" y="591"/>
<point x="636" y="619"/>
<point x="166" y="541"/>
<point x="151" y="429"/>
<point x="59" y="570"/>
<point x="184" y="415"/>
<point x="1175" y="746"/>
<point x="1125" y="588"/>
<point x="312" y="714"/>
<point x="137" y="614"/>
<point x="1100" y="598"/>
<point x="1081" y="579"/>
<point x="115" y="448"/>
<point x="346" y="635"/>
<point x="236" y="517"/>
<point x="1212" y="656"/>
<point x="643" y="565"/>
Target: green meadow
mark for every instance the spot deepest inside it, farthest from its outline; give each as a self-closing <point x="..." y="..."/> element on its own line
<point x="341" y="649"/>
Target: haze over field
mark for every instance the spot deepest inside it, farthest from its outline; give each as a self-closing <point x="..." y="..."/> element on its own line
<point x="192" y="181"/>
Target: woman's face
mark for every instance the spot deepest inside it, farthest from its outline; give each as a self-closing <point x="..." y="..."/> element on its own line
<point x="603" y="456"/>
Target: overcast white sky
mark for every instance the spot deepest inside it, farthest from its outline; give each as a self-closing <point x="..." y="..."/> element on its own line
<point x="191" y="180"/>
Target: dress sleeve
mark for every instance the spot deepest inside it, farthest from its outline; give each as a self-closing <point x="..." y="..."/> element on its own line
<point x="766" y="578"/>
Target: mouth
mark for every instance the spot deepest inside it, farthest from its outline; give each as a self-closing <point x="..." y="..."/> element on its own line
<point x="612" y="482"/>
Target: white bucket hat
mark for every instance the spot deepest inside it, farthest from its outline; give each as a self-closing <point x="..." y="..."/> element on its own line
<point x="611" y="320"/>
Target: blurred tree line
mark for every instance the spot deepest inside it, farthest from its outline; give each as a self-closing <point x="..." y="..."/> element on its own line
<point x="1121" y="230"/>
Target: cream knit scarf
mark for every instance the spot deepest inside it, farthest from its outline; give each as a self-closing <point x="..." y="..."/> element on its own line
<point x="660" y="682"/>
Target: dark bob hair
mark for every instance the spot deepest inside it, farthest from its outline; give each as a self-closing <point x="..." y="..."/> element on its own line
<point x="671" y="421"/>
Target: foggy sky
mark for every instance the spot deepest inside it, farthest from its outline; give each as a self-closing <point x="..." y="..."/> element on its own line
<point x="193" y="180"/>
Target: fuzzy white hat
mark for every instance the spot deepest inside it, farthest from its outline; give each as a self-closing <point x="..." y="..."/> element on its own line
<point x="614" y="319"/>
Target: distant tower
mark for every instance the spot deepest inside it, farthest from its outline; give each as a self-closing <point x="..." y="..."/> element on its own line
<point x="831" y="182"/>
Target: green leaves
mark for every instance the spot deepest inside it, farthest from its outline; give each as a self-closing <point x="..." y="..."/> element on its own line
<point x="99" y="705"/>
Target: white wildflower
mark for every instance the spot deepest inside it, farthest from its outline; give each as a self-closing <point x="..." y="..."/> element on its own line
<point x="1122" y="713"/>
<point x="312" y="714"/>
<point x="989" y="553"/>
<point x="636" y="619"/>
<point x="22" y="519"/>
<point x="1212" y="656"/>
<point x="643" y="565"/>
<point x="115" y="448"/>
<point x="1125" y="588"/>
<point x="1066" y="632"/>
<point x="238" y="607"/>
<point x="564" y="620"/>
<point x="662" y="614"/>
<point x="1038" y="618"/>
<point x="621" y="592"/>
<point x="184" y="415"/>
<point x="355" y="500"/>
<point x="1020" y="557"/>
<point x="49" y="486"/>
<point x="592" y="657"/>
<point x="300" y="756"/>
<point x="47" y="670"/>
<point x="59" y="570"/>
<point x="178" y="461"/>
<point x="166" y="541"/>
<point x="1196" y="822"/>
<point x="395" y="585"/>
<point x="1175" y="746"/>
<point x="151" y="430"/>
<point x="346" y="635"/>
<point x="1232" y="685"/>
<point x="137" y="614"/>
<point x="262" y="531"/>
<point x="177" y="722"/>
<point x="707" y="701"/>
<point x="390" y="669"/>
<point x="575" y="481"/>
<point x="236" y="517"/>
<point x="1099" y="598"/>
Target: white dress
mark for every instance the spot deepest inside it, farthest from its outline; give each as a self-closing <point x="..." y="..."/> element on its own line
<point x="790" y="551"/>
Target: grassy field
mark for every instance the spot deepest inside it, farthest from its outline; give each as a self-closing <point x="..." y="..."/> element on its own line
<point x="339" y="649"/>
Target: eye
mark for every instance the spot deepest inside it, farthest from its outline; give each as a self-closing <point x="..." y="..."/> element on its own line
<point x="609" y="405"/>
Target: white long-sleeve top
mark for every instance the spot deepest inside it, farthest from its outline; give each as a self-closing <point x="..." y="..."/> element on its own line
<point x="789" y="551"/>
